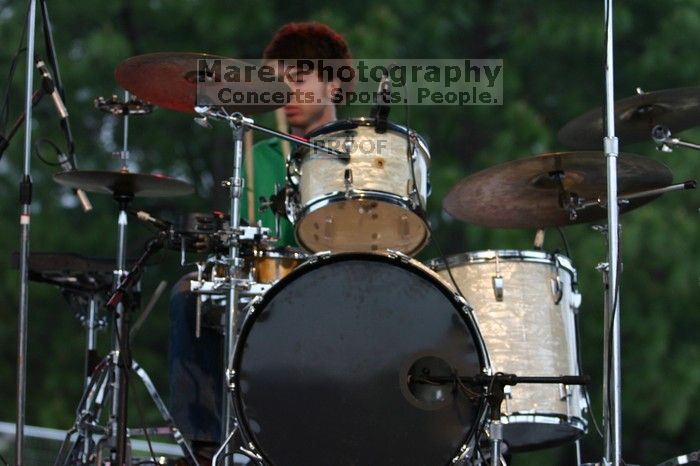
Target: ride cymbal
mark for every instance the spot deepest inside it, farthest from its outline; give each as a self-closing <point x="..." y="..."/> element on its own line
<point x="546" y="190"/>
<point x="678" y="109"/>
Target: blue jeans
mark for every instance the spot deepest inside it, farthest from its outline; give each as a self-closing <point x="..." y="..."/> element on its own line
<point x="196" y="369"/>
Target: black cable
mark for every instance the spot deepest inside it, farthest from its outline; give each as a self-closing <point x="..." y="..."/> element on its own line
<point x="577" y="330"/>
<point x="616" y="294"/>
<point x="563" y="240"/>
<point x="139" y="408"/>
<point x="5" y="111"/>
<point x="586" y="393"/>
<point x="58" y="82"/>
<point x="4" y="461"/>
<point x="37" y="152"/>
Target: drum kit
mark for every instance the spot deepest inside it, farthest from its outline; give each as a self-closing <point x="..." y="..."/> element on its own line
<point x="349" y="351"/>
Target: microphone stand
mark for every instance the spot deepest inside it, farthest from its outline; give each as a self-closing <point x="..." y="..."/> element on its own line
<point x="25" y="190"/>
<point x="495" y="395"/>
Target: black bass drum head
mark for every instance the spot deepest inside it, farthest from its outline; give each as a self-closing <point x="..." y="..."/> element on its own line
<point x="328" y="366"/>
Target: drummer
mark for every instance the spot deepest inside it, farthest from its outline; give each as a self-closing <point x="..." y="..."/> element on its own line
<point x="196" y="365"/>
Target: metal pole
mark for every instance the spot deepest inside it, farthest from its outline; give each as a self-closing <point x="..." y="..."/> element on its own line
<point x="231" y="326"/>
<point x="125" y="150"/>
<point x="24" y="221"/>
<point x="118" y="413"/>
<point x="91" y="337"/>
<point x="612" y="317"/>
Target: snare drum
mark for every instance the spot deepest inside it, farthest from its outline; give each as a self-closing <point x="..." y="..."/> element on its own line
<point x="272" y="264"/>
<point x="373" y="201"/>
<point x="525" y="302"/>
<point x="326" y="364"/>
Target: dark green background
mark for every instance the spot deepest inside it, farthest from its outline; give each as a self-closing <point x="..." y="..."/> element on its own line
<point x="552" y="53"/>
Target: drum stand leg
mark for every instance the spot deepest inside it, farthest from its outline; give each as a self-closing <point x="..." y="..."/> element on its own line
<point x="83" y="450"/>
<point x="228" y="421"/>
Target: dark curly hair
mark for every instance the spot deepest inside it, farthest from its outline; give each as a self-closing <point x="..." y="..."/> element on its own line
<point x="310" y="40"/>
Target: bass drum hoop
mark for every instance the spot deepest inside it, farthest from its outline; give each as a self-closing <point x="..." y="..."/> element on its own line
<point x="462" y="309"/>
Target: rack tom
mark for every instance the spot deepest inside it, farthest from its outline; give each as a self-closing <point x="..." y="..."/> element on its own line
<point x="372" y="201"/>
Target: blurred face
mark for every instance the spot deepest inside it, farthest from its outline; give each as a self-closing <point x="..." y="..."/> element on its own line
<point x="311" y="104"/>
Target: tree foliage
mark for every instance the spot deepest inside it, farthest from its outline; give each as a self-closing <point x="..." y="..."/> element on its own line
<point x="552" y="53"/>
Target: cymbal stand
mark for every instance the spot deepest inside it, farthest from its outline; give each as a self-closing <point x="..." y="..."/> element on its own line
<point x="239" y="124"/>
<point x="612" y="382"/>
<point x="110" y="379"/>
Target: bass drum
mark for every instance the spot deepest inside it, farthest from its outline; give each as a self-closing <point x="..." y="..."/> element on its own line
<point x="329" y="363"/>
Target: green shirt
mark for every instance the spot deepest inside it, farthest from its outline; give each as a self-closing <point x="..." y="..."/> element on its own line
<point x="268" y="168"/>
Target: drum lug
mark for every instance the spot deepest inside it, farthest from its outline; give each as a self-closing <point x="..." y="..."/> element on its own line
<point x="557" y="291"/>
<point x="497" y="283"/>
<point x="575" y="301"/>
<point x="465" y="452"/>
<point x="230" y="379"/>
<point x="348" y="180"/>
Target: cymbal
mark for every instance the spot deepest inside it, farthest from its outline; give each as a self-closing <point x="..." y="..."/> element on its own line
<point x="169" y="80"/>
<point x="526" y="193"/>
<point x="635" y="116"/>
<point x="120" y="183"/>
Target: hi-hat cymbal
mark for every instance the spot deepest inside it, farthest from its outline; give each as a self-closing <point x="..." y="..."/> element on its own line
<point x="169" y="80"/>
<point x="120" y="183"/>
<point x="635" y="116"/>
<point x="531" y="192"/>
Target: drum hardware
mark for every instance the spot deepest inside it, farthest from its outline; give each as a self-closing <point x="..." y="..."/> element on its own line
<point x="277" y="203"/>
<point x="553" y="189"/>
<point x="693" y="457"/>
<point x="497" y="281"/>
<point x="124" y="186"/>
<point x="496" y="394"/>
<point x="665" y="143"/>
<point x="238" y="124"/>
<point x="128" y="106"/>
<point x="636" y="116"/>
<point x="109" y="379"/>
<point x="82" y="282"/>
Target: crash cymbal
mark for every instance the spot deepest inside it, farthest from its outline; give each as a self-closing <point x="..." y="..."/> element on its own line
<point x="120" y="183"/>
<point x="169" y="80"/>
<point x="635" y="116"/>
<point x="541" y="191"/>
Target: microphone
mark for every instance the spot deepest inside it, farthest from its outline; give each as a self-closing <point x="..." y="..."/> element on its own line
<point x="67" y="163"/>
<point x="148" y="218"/>
<point x="50" y="89"/>
<point x="380" y="112"/>
<point x="67" y="166"/>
